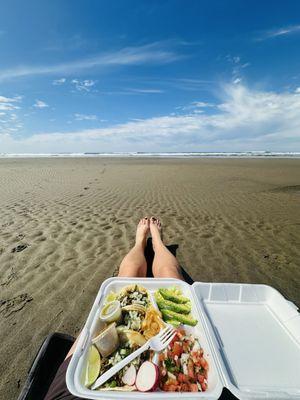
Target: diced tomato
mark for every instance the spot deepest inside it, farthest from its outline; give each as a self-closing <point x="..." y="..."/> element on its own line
<point x="185" y="387"/>
<point x="203" y="386"/>
<point x="200" y="378"/>
<point x="177" y="349"/>
<point x="180" y="332"/>
<point x="170" y="388"/>
<point x="182" y="378"/>
<point x="175" y="338"/>
<point x="204" y="363"/>
<point x="193" y="387"/>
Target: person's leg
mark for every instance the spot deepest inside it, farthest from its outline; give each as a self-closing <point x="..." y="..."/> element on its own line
<point x="134" y="264"/>
<point x="165" y="265"/>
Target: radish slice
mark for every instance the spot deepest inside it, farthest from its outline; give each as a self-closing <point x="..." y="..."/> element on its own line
<point x="147" y="377"/>
<point x="129" y="376"/>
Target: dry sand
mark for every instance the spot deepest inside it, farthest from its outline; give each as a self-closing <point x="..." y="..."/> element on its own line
<point x="67" y="223"/>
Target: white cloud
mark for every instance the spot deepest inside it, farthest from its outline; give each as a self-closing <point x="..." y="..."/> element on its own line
<point x="243" y="119"/>
<point x="202" y="104"/>
<point x="4" y="99"/>
<point x="195" y="107"/>
<point x="58" y="82"/>
<point x="40" y="104"/>
<point x="153" y="53"/>
<point x="279" y="32"/>
<point x="84" y="85"/>
<point x="297" y="90"/>
<point x="85" y="117"/>
<point x="9" y="121"/>
<point x="145" y="91"/>
<point x="8" y="103"/>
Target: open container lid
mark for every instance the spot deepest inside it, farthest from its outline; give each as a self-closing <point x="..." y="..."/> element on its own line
<point x="255" y="335"/>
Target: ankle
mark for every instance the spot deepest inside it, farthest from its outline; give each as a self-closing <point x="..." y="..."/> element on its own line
<point x="140" y="243"/>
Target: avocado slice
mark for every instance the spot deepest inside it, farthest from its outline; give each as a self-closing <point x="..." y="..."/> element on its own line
<point x="170" y="305"/>
<point x="168" y="294"/>
<point x="173" y="322"/>
<point x="184" y="319"/>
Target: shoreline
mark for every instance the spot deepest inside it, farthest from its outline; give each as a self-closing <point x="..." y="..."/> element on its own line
<point x="179" y="155"/>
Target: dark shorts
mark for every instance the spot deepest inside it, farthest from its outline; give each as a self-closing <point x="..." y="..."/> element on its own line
<point x="58" y="389"/>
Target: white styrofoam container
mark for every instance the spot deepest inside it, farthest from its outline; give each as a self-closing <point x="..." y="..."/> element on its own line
<point x="250" y="335"/>
<point x="255" y="333"/>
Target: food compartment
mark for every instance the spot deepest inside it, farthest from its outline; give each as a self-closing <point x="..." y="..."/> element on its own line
<point x="214" y="385"/>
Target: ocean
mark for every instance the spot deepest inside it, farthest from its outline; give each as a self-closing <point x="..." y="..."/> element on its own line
<point x="241" y="154"/>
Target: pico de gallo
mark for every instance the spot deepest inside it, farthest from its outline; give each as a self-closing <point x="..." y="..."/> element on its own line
<point x="183" y="367"/>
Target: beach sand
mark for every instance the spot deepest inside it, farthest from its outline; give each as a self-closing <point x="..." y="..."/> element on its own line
<point x="67" y="223"/>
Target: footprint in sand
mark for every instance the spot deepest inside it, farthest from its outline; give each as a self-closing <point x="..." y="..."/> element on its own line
<point x="15" y="304"/>
<point x="19" y="248"/>
<point x="12" y="276"/>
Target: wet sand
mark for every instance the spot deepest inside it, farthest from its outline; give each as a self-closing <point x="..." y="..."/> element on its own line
<point x="67" y="223"/>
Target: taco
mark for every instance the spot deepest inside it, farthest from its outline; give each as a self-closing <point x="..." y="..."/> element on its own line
<point x="133" y="338"/>
<point x="135" y="307"/>
<point x="134" y="294"/>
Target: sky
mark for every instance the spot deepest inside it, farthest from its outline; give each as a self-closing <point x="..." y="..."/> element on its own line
<point x="147" y="75"/>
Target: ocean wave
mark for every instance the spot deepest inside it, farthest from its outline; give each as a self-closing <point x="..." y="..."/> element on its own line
<point x="242" y="154"/>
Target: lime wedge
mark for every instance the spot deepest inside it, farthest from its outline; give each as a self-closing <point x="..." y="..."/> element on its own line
<point x="93" y="366"/>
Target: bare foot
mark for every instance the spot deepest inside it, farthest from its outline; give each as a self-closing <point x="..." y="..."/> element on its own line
<point x="142" y="231"/>
<point x="155" y="229"/>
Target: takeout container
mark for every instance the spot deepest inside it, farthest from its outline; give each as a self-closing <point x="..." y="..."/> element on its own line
<point x="250" y="335"/>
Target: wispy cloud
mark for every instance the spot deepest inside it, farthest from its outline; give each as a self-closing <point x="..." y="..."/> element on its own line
<point x="186" y="84"/>
<point x="202" y="104"/>
<point x="85" y="117"/>
<point x="9" y="103"/>
<point x="243" y="119"/>
<point x="145" y="91"/>
<point x="273" y="33"/>
<point x="154" y="53"/>
<point x="196" y="107"/>
<point x="57" y="82"/>
<point x="83" y="85"/>
<point x="237" y="67"/>
<point x="40" y="104"/>
<point x="9" y="120"/>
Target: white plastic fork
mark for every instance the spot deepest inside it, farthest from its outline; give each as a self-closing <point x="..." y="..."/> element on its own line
<point x="157" y="343"/>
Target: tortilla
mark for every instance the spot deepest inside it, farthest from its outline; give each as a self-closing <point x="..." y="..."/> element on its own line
<point x="135" y="307"/>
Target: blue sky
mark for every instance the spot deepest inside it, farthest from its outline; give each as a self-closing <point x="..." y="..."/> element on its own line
<point x="185" y="75"/>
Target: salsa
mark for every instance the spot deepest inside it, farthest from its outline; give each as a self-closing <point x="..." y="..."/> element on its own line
<point x="183" y="367"/>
